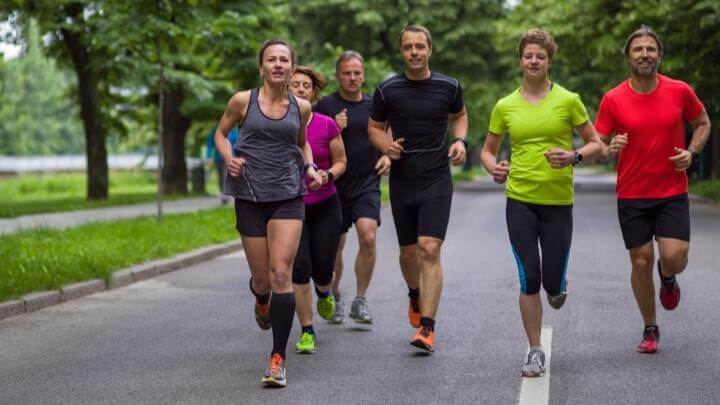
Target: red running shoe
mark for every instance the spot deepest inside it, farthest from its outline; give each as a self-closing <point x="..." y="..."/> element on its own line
<point x="669" y="291"/>
<point x="651" y="340"/>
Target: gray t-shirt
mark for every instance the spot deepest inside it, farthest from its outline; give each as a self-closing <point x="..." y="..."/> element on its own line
<point x="274" y="163"/>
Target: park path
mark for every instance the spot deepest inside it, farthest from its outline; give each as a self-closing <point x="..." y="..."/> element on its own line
<point x="190" y="336"/>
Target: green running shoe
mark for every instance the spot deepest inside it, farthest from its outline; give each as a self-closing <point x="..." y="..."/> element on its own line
<point x="326" y="306"/>
<point x="306" y="344"/>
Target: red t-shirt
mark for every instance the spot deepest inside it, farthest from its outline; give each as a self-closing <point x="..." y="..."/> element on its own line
<point x="655" y="125"/>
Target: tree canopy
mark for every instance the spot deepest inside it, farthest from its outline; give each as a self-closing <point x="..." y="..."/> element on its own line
<point x="207" y="50"/>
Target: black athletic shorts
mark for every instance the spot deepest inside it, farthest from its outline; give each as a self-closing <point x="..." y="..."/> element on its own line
<point x="366" y="205"/>
<point x="251" y="218"/>
<point x="320" y="238"/>
<point x="421" y="207"/>
<point x="641" y="219"/>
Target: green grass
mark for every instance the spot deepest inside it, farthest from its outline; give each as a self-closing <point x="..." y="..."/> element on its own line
<point x="56" y="192"/>
<point x="48" y="259"/>
<point x="707" y="188"/>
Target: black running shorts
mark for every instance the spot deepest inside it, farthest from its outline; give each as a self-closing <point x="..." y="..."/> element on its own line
<point x="251" y="218"/>
<point x="421" y="207"/>
<point x="366" y="205"/>
<point x="645" y="218"/>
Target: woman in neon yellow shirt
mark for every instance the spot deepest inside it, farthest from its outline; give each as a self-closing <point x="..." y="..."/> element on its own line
<point x="539" y="117"/>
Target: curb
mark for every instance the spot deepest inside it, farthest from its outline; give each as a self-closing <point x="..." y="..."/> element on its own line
<point x="121" y="278"/>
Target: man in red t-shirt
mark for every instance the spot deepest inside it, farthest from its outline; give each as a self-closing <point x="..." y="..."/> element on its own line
<point x="647" y="114"/>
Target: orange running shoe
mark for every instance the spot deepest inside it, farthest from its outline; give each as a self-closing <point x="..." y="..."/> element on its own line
<point x="275" y="373"/>
<point x="424" y="339"/>
<point x="414" y="312"/>
<point x="262" y="315"/>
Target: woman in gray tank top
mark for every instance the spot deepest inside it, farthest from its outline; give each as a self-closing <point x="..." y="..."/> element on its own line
<point x="265" y="175"/>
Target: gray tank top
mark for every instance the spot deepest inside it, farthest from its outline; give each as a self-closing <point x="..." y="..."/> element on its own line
<point x="274" y="163"/>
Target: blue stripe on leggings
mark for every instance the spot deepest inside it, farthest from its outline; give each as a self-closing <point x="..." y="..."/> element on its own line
<point x="564" y="273"/>
<point x="521" y="270"/>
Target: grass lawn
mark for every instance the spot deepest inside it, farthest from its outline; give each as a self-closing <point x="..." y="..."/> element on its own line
<point x="37" y="260"/>
<point x="707" y="188"/>
<point x="55" y="192"/>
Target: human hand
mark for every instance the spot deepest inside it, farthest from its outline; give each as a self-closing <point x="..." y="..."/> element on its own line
<point x="682" y="160"/>
<point x="501" y="171"/>
<point x="559" y="158"/>
<point x="395" y="149"/>
<point x="457" y="153"/>
<point x="341" y="119"/>
<point x="617" y="144"/>
<point x="383" y="165"/>
<point x="235" y="165"/>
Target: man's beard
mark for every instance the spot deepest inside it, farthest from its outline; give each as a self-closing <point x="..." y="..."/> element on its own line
<point x="644" y="70"/>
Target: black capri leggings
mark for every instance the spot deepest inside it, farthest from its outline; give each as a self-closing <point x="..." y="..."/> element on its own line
<point x="552" y="226"/>
<point x="319" y="242"/>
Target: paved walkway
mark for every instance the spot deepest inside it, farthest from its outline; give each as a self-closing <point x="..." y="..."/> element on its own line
<point x="60" y="220"/>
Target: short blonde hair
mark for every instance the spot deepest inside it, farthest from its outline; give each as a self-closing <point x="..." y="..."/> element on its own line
<point x="538" y="37"/>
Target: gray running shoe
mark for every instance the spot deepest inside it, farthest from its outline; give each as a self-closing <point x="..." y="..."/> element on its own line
<point x="359" y="311"/>
<point x="535" y="364"/>
<point x="338" y="316"/>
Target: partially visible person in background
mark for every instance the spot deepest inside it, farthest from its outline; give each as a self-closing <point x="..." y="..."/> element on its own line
<point x="220" y="168"/>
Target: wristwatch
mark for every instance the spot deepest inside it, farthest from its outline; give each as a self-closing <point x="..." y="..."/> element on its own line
<point x="578" y="157"/>
<point x="695" y="155"/>
<point x="462" y="139"/>
<point x="330" y="175"/>
<point x="306" y="166"/>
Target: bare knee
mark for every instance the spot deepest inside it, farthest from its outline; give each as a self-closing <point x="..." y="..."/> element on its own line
<point x="367" y="243"/>
<point x="675" y="261"/>
<point x="643" y="262"/>
<point x="280" y="277"/>
<point x="430" y="250"/>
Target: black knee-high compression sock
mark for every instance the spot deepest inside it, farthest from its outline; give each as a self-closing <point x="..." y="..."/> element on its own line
<point x="282" y="311"/>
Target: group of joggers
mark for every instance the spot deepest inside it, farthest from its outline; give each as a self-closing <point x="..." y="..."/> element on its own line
<point x="305" y="169"/>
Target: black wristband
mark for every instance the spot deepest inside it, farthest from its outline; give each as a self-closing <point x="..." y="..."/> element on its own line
<point x="306" y="166"/>
<point x="462" y="139"/>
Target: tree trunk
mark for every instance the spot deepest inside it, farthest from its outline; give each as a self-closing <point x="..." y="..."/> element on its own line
<point x="175" y="127"/>
<point x="96" y="153"/>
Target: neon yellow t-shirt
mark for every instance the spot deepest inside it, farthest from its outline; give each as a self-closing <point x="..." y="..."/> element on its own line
<point x="534" y="129"/>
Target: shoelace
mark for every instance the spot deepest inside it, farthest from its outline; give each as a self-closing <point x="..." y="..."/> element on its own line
<point x="305" y="338"/>
<point x="536" y="357"/>
<point x="425" y="331"/>
<point x="276" y="363"/>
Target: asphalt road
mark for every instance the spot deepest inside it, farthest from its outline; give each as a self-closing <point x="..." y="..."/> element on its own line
<point x="190" y="336"/>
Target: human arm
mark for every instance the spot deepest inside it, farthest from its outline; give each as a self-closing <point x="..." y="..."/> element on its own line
<point x="488" y="156"/>
<point x="309" y="167"/>
<point x="234" y="113"/>
<point x="459" y="122"/>
<point x="701" y="132"/>
<point x="559" y="158"/>
<point x="338" y="160"/>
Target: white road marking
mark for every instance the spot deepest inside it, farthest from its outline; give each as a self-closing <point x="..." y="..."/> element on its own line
<point x="537" y="390"/>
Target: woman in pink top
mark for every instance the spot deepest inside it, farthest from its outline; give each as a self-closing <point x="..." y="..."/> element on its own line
<point x="323" y="219"/>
